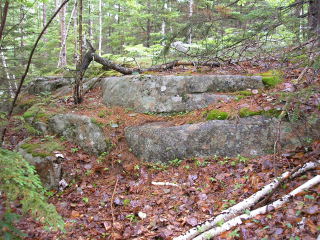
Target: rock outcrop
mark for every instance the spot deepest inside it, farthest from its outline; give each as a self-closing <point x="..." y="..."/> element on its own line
<point x="48" y="168"/>
<point x="59" y="85"/>
<point x="248" y="137"/>
<point x="81" y="131"/>
<point x="149" y="93"/>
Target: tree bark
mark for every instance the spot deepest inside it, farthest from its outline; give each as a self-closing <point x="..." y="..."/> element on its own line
<point x="64" y="43"/>
<point x="314" y="18"/>
<point x="63" y="35"/>
<point x="190" y="15"/>
<point x="4" y="15"/>
<point x="77" y="94"/>
<point x="100" y="27"/>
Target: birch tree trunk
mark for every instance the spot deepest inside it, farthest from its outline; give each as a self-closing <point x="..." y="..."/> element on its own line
<point x="163" y="26"/>
<point x="190" y="15"/>
<point x="90" y="6"/>
<point x="63" y="53"/>
<point x="100" y="27"/>
<point x="64" y="42"/>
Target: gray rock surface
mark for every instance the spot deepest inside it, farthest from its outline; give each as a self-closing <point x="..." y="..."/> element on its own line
<point x="81" y="131"/>
<point x="48" y="84"/>
<point x="149" y="93"/>
<point x="49" y="168"/>
<point x="248" y="137"/>
<point x="60" y="85"/>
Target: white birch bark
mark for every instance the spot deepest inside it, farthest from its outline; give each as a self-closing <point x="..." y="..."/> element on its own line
<point x="245" y="204"/>
<point x="100" y="27"/>
<point x="63" y="53"/>
<point x="64" y="42"/>
<point x="190" y="15"/>
<point x="262" y="210"/>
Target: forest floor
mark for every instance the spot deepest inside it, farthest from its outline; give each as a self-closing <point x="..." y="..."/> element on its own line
<point x="106" y="194"/>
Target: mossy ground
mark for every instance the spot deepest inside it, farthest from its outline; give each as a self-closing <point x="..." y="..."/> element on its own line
<point x="36" y="112"/>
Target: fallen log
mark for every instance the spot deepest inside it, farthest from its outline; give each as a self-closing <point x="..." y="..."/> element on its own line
<point x="262" y="210"/>
<point x="245" y="204"/>
<point x="91" y="55"/>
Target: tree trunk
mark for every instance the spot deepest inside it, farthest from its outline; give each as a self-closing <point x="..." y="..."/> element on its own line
<point x="77" y="94"/>
<point x="63" y="53"/>
<point x="190" y="15"/>
<point x="90" y="20"/>
<point x="163" y="26"/>
<point x="4" y="14"/>
<point x="100" y="27"/>
<point x="64" y="43"/>
<point x="314" y="18"/>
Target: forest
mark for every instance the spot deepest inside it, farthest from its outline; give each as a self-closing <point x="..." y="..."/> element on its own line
<point x="160" y="119"/>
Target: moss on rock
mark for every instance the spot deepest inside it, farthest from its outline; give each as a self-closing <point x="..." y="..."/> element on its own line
<point x="217" y="115"/>
<point x="246" y="112"/>
<point x="272" y="78"/>
<point x="43" y="149"/>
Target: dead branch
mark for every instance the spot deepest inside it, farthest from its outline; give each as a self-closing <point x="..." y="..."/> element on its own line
<point x="262" y="210"/>
<point x="245" y="204"/>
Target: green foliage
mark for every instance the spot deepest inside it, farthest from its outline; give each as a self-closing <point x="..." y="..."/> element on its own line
<point x="272" y="78"/>
<point x="36" y="113"/>
<point x="175" y="162"/>
<point x="217" y="115"/>
<point x="19" y="182"/>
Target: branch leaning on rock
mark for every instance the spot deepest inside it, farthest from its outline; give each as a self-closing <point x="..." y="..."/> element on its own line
<point x="247" y="203"/>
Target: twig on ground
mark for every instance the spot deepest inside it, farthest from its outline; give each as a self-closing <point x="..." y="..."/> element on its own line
<point x="165" y="184"/>
<point x="111" y="203"/>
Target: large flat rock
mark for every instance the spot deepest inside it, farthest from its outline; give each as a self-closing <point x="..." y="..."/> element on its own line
<point x="248" y="137"/>
<point x="149" y="93"/>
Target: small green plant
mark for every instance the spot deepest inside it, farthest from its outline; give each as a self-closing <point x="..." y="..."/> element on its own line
<point x="126" y="202"/>
<point x="234" y="233"/>
<point x="132" y="217"/>
<point x="101" y="114"/>
<point x="217" y="115"/>
<point x="187" y="167"/>
<point x="85" y="200"/>
<point x="238" y="186"/>
<point x="175" y="162"/>
<point x="74" y="150"/>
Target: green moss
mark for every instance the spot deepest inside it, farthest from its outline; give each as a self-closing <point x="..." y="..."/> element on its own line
<point x="246" y="112"/>
<point x="244" y="93"/>
<point x="217" y="115"/>
<point x="239" y="97"/>
<point x="272" y="78"/>
<point x="36" y="112"/>
<point x="272" y="113"/>
<point x="102" y="114"/>
<point x="44" y="149"/>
